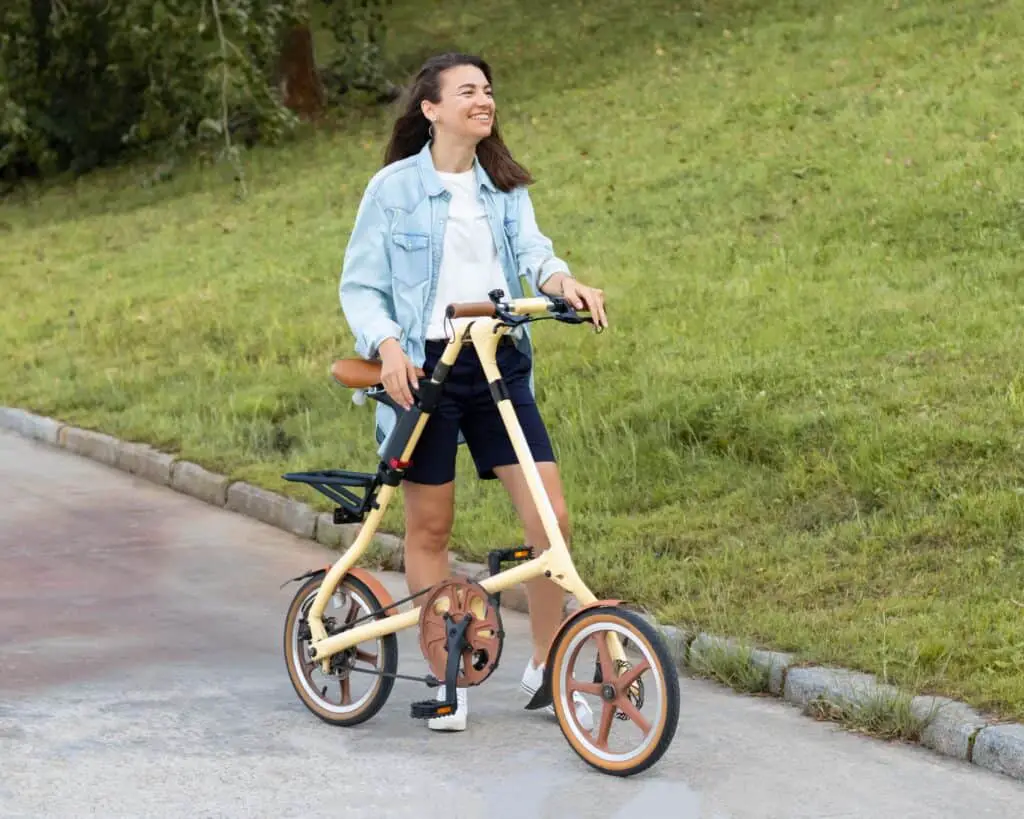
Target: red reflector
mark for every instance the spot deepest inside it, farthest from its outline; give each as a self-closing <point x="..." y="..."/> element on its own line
<point x="395" y="463"/>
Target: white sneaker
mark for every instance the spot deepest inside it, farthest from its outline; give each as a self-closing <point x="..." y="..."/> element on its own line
<point x="452" y="722"/>
<point x="533" y="676"/>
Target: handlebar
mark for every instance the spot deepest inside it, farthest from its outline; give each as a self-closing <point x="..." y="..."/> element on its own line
<point x="509" y="309"/>
<point x="470" y="309"/>
<point x="361" y="375"/>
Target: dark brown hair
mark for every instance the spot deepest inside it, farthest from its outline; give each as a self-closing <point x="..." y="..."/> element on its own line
<point x="412" y="130"/>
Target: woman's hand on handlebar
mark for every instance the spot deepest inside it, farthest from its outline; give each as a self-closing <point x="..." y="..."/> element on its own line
<point x="397" y="373"/>
<point x="585" y="298"/>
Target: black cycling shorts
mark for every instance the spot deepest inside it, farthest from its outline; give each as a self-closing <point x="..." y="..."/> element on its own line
<point x="466" y="405"/>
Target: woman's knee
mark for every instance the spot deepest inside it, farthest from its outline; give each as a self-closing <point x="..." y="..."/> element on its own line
<point x="429" y="515"/>
<point x="428" y="533"/>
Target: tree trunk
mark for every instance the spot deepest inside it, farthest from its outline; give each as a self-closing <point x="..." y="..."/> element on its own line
<point x="299" y="78"/>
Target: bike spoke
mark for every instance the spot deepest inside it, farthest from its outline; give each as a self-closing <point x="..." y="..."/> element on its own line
<point x="605" y="655"/>
<point x="605" y="728"/>
<point x="630" y="677"/>
<point x="366" y="657"/>
<point x="584" y="687"/>
<point x="346" y="692"/>
<point x="627" y="708"/>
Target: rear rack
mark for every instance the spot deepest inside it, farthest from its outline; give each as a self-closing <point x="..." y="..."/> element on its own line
<point x="331" y="482"/>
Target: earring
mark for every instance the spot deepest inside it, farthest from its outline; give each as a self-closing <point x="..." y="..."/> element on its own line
<point x="430" y="129"/>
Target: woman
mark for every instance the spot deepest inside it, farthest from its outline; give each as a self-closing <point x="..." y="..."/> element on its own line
<point x="448" y="219"/>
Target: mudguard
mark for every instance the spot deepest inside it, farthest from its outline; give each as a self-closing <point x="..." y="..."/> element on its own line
<point x="384" y="598"/>
<point x="542" y="697"/>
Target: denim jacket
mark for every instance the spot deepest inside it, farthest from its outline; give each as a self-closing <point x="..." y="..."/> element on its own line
<point x="393" y="258"/>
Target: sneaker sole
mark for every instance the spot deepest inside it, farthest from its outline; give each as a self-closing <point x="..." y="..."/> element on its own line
<point x="449" y="729"/>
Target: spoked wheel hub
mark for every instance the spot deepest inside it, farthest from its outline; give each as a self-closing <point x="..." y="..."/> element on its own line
<point x="635" y="702"/>
<point x="340" y="696"/>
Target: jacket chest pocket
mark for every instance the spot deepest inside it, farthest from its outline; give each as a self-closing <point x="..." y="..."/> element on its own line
<point x="410" y="256"/>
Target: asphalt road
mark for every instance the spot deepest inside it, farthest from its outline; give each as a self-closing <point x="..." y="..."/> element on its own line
<point x="141" y="675"/>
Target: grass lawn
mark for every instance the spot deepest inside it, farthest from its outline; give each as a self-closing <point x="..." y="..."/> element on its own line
<point x="804" y="425"/>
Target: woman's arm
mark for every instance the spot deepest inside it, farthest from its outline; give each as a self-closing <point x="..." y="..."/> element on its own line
<point x="365" y="285"/>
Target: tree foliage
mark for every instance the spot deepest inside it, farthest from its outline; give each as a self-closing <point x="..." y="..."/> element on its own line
<point x="84" y="82"/>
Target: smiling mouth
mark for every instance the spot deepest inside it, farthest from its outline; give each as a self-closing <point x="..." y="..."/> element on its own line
<point x="481" y="117"/>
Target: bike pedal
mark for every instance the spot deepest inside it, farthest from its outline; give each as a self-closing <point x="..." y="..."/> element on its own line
<point x="516" y="554"/>
<point x="428" y="709"/>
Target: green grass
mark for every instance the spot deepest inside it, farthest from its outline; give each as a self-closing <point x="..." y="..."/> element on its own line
<point x="884" y="715"/>
<point x="732" y="666"/>
<point x="803" y="427"/>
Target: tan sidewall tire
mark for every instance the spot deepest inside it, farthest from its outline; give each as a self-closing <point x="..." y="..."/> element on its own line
<point x="388" y="644"/>
<point x="663" y="666"/>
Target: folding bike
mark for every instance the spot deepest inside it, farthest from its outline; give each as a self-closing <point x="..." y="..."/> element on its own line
<point x="340" y="628"/>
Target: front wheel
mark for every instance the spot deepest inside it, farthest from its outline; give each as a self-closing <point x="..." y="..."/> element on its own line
<point x="361" y="677"/>
<point x="635" y="703"/>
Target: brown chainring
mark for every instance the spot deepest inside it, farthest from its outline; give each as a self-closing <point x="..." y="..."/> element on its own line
<point x="459" y="598"/>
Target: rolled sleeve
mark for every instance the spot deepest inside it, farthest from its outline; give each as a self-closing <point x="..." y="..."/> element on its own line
<point x="365" y="285"/>
<point x="535" y="253"/>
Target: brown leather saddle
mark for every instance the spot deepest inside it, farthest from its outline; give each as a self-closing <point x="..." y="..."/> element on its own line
<point x="358" y="373"/>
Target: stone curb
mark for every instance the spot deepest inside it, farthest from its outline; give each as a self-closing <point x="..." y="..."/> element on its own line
<point x="952" y="728"/>
<point x="191" y="479"/>
<point x="28" y="425"/>
<point x="804" y="686"/>
<point x="269" y="507"/>
<point x="95" y="445"/>
<point x="1000" y="748"/>
<point x="772" y="664"/>
<point x="146" y="462"/>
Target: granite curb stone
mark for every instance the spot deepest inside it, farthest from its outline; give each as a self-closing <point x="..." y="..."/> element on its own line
<point x="772" y="663"/>
<point x="805" y="685"/>
<point x="954" y="729"/>
<point x="335" y="535"/>
<point x="704" y="645"/>
<point x="951" y="726"/>
<point x="678" y="641"/>
<point x="146" y="462"/>
<point x="1000" y="748"/>
<point x="393" y="549"/>
<point x="777" y="664"/>
<point x="37" y="427"/>
<point x="269" y="507"/>
<point x="96" y="445"/>
<point x="191" y="479"/>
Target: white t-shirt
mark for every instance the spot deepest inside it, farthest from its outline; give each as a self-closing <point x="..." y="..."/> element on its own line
<point x="469" y="262"/>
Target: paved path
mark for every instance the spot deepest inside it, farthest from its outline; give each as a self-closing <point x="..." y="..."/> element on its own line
<point x="141" y="676"/>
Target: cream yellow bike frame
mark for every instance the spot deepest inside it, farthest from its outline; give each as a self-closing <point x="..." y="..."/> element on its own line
<point x="555" y="562"/>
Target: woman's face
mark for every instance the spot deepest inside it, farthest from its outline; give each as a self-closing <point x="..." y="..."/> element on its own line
<point x="466" y="109"/>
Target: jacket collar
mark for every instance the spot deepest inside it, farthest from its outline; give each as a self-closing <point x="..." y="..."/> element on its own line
<point x="432" y="182"/>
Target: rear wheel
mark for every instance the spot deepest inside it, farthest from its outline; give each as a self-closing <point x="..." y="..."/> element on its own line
<point x="355" y="688"/>
<point x="635" y="704"/>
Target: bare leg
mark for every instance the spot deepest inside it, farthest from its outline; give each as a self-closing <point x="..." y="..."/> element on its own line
<point x="546" y="598"/>
<point x="429" y="513"/>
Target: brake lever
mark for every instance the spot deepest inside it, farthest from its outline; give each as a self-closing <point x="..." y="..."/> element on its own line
<point x="563" y="311"/>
